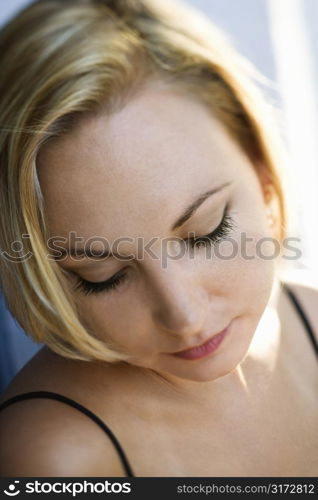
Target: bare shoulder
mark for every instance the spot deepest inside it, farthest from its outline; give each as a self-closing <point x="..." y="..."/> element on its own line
<point x="44" y="437"/>
<point x="301" y="277"/>
<point x="303" y="282"/>
<point x="304" y="285"/>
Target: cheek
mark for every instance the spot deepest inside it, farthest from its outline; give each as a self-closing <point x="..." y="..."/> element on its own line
<point x="242" y="267"/>
<point x="122" y="320"/>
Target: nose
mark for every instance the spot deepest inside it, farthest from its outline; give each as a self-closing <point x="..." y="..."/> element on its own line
<point x="180" y="304"/>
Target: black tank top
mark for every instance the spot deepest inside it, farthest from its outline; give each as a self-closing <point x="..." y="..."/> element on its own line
<point x="125" y="462"/>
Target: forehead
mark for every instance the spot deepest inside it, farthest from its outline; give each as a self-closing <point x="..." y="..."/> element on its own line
<point x="137" y="165"/>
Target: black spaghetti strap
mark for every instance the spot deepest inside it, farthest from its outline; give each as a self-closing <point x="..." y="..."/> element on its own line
<point x="303" y="316"/>
<point x="78" y="406"/>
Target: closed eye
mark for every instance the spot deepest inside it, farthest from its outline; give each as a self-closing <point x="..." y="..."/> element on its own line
<point x="88" y="287"/>
<point x="221" y="232"/>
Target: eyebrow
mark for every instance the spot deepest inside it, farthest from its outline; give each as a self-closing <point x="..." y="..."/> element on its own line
<point x="189" y="211"/>
<point x="195" y="205"/>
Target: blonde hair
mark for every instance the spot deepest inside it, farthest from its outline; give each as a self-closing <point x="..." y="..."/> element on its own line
<point x="63" y="60"/>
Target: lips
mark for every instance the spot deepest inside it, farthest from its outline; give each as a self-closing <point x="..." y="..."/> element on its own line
<point x="204" y="349"/>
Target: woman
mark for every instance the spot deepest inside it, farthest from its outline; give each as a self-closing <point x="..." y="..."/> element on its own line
<point x="140" y="171"/>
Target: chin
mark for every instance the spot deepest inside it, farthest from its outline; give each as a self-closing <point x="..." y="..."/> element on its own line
<point x="207" y="374"/>
<point x="222" y="362"/>
<point x="213" y="367"/>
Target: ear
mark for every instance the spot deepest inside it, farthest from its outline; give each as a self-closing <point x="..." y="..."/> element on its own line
<point x="269" y="193"/>
<point x="270" y="196"/>
<point x="265" y="179"/>
<point x="272" y="209"/>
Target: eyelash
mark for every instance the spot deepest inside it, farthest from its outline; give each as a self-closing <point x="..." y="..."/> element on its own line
<point x="223" y="229"/>
<point x="87" y="287"/>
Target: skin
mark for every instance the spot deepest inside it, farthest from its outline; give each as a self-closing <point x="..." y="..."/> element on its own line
<point x="242" y="411"/>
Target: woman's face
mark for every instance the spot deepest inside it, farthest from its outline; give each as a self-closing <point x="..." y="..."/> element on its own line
<point x="126" y="180"/>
